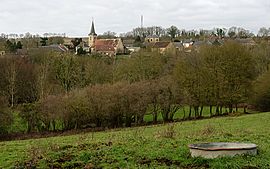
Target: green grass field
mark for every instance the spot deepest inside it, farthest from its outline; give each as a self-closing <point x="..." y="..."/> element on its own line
<point x="161" y="146"/>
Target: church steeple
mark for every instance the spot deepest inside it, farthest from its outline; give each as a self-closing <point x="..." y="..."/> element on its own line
<point x="92" y="35"/>
<point x="92" y="31"/>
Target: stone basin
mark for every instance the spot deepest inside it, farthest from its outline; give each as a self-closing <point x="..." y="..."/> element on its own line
<point x="222" y="149"/>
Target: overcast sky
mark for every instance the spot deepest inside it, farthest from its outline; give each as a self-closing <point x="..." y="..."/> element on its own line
<point x="73" y="17"/>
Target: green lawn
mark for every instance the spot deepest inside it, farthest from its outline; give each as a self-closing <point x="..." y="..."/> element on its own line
<point x="161" y="146"/>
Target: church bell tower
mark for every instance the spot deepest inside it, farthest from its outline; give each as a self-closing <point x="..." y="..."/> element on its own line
<point x="92" y="36"/>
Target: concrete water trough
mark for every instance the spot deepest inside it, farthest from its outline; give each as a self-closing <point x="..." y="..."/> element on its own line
<point x="215" y="150"/>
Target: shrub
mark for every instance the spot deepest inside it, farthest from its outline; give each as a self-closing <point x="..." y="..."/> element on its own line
<point x="6" y="117"/>
<point x="261" y="98"/>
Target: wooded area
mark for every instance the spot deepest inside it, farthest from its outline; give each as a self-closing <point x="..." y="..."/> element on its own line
<point x="61" y="91"/>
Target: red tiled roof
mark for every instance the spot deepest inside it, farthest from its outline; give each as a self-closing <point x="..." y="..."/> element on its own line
<point x="105" y="45"/>
<point x="104" y="48"/>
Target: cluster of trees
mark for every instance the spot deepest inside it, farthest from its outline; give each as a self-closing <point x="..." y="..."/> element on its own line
<point x="217" y="76"/>
<point x="27" y="41"/>
<point x="264" y="32"/>
<point x="29" y="35"/>
<point x="60" y="91"/>
<point x="174" y="32"/>
<point x="109" y="105"/>
<point x="12" y="47"/>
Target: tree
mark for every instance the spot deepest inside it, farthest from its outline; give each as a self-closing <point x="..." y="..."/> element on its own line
<point x="238" y="69"/>
<point x="43" y="41"/>
<point x="243" y="33"/>
<point x="26" y="82"/>
<point x="108" y="35"/>
<point x="261" y="97"/>
<point x="76" y="42"/>
<point x="19" y="45"/>
<point x="263" y="32"/>
<point x="141" y="66"/>
<point x="220" y="32"/>
<point x="97" y="71"/>
<point x="217" y="75"/>
<point x="11" y="73"/>
<point x="212" y="77"/>
<point x="173" y="31"/>
<point x="55" y="40"/>
<point x="11" y="47"/>
<point x="18" y="82"/>
<point x="261" y="54"/>
<point x="66" y="71"/>
<point x="189" y="75"/>
<point x="232" y="32"/>
<point x="43" y="72"/>
<point x="5" y="116"/>
<point x="169" y="98"/>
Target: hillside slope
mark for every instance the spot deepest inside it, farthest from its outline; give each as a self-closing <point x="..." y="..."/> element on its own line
<point x="159" y="146"/>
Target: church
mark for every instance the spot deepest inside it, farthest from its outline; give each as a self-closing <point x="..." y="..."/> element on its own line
<point x="109" y="47"/>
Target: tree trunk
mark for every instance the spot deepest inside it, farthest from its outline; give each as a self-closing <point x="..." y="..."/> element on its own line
<point x="155" y="114"/>
<point x="196" y="110"/>
<point x="217" y="110"/>
<point x="221" y="110"/>
<point x="190" y="110"/>
<point x="184" y="117"/>
<point x="211" y="111"/>
<point x="165" y="114"/>
<point x="201" y="111"/>
<point x="128" y="121"/>
<point x="230" y="108"/>
<point x="54" y="125"/>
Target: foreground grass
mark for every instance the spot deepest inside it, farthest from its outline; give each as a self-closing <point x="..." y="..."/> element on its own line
<point x="162" y="146"/>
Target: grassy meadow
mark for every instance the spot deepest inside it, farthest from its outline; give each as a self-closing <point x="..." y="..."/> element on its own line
<point x="160" y="146"/>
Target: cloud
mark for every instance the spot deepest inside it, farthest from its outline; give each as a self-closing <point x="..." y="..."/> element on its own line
<point x="74" y="17"/>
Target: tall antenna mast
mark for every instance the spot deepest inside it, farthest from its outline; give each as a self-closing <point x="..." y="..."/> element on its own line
<point x="141" y="21"/>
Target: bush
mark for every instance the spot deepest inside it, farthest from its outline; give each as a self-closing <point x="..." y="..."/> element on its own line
<point x="6" y="117"/>
<point x="261" y="98"/>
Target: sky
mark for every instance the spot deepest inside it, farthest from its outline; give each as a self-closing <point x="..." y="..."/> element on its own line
<point x="74" y="17"/>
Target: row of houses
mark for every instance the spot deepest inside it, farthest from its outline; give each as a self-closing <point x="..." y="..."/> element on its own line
<point x="189" y="45"/>
<point x="118" y="46"/>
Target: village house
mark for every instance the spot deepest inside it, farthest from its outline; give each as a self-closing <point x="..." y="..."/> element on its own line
<point x="151" y="39"/>
<point x="56" y="48"/>
<point x="162" y="47"/>
<point x="84" y="46"/>
<point x="246" y="41"/>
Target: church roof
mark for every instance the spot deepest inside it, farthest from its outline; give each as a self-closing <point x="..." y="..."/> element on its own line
<point x="92" y="31"/>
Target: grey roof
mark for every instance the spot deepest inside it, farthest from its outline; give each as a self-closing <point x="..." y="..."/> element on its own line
<point x="92" y="31"/>
<point x="152" y="36"/>
<point x="178" y="44"/>
<point x="199" y="43"/>
<point x="57" y="48"/>
<point x="246" y="41"/>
